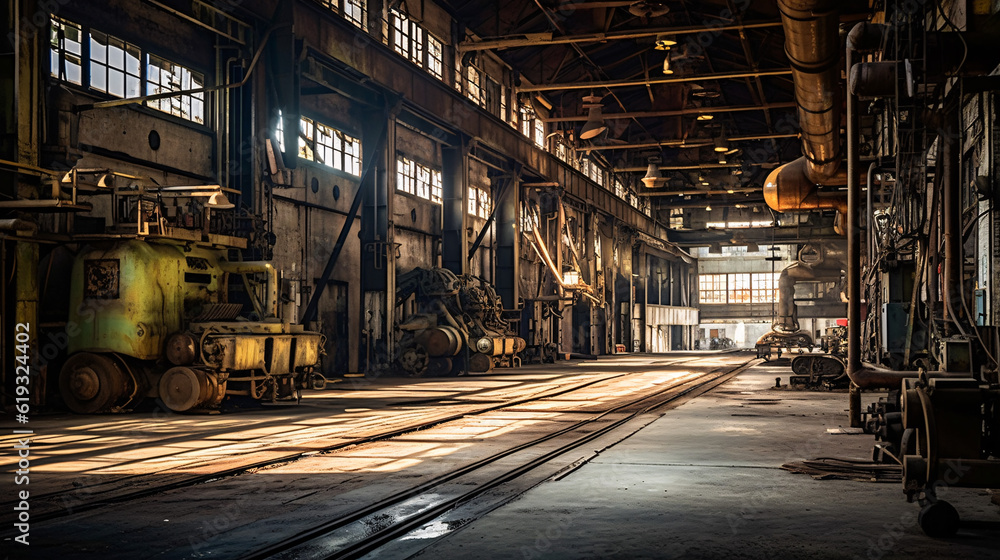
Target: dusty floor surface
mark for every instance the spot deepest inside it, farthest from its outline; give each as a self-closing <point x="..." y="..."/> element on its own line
<point x="704" y="481"/>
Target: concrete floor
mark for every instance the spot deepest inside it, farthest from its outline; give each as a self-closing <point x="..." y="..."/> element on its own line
<point x="704" y="481"/>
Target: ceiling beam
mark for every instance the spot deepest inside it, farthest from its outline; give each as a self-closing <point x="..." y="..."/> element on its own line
<point x="545" y="39"/>
<point x="693" y="191"/>
<point x="697" y="143"/>
<point x="655" y="81"/>
<point x="692" y="167"/>
<point x="679" y="112"/>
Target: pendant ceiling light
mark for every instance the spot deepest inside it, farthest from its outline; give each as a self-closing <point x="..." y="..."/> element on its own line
<point x="594" y="126"/>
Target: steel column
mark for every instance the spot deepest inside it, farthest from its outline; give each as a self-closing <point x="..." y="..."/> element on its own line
<point x="508" y="245"/>
<point x="378" y="250"/>
<point x="454" y="181"/>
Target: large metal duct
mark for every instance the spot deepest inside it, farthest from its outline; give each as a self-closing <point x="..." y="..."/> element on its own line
<point x="815" y="263"/>
<point x="813" y="47"/>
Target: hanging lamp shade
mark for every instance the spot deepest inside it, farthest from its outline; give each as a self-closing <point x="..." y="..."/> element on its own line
<point x="594" y="126"/>
<point x="652" y="173"/>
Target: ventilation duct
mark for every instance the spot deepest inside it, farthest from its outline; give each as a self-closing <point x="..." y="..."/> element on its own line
<point x="812" y="45"/>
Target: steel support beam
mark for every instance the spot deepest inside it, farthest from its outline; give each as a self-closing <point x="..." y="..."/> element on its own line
<point x="684" y="143"/>
<point x="608" y="84"/>
<point x="546" y="39"/>
<point x="454" y="180"/>
<point x="508" y="275"/>
<point x="378" y="248"/>
<point x="679" y="112"/>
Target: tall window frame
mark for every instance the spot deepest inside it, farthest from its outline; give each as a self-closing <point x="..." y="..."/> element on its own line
<point x="114" y="67"/>
<point x="354" y="11"/>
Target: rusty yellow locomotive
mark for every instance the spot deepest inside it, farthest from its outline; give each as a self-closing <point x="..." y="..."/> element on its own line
<point x="154" y="320"/>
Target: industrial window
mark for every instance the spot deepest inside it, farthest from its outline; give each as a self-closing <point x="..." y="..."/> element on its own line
<point x="435" y="57"/>
<point x="525" y="114"/>
<point x="619" y="188"/>
<point x="712" y="288"/>
<point x="163" y="76"/>
<point x="739" y="288"/>
<point x="676" y="218"/>
<point x="66" y="51"/>
<point x="562" y="150"/>
<point x="473" y="87"/>
<point x="539" y="133"/>
<point x="480" y="203"/>
<point x="328" y="146"/>
<point x="352" y="10"/>
<point x="765" y="287"/>
<point x="504" y="115"/>
<point x="404" y="41"/>
<point x="417" y="179"/>
<point x="115" y="66"/>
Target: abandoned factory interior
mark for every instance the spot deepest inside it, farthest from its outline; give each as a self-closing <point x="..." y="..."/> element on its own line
<point x="529" y="279"/>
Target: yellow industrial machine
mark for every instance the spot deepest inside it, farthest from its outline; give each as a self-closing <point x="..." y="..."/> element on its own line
<point x="150" y="315"/>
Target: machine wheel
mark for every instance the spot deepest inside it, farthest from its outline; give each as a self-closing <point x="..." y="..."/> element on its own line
<point x="183" y="389"/>
<point x="92" y="383"/>
<point x="939" y="519"/>
<point x="439" y="367"/>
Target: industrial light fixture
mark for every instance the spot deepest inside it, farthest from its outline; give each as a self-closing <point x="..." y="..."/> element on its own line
<point x="705" y="116"/>
<point x="652" y="173"/>
<point x="595" y="120"/>
<point x="218" y="201"/>
<point x="721" y="144"/>
<point x="722" y="158"/>
<point x="666" y="65"/>
<point x="730" y="191"/>
<point x="704" y="182"/>
<point x="699" y="91"/>
<point x="664" y="42"/>
<point x="708" y="208"/>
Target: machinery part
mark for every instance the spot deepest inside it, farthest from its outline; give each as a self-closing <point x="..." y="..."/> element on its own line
<point x="500" y="345"/>
<point x="939" y="519"/>
<point x="454" y="315"/>
<point x="180" y="349"/>
<point x="441" y="341"/>
<point x="774" y="339"/>
<point x="92" y="383"/>
<point x="183" y="389"/>
<point x="440" y="367"/>
<point x="818" y="367"/>
<point x="414" y="360"/>
<point x="480" y="363"/>
<point x="317" y="381"/>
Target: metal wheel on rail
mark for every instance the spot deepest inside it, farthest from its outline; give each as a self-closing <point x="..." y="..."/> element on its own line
<point x="93" y="383"/>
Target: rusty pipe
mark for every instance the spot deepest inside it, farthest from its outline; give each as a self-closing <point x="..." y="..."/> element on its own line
<point x="952" y="210"/>
<point x="812" y="44"/>
<point x="17" y="224"/>
<point x="870" y="376"/>
<point x="789" y="188"/>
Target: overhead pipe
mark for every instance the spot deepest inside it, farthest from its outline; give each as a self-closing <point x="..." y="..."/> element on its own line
<point x="812" y="45"/>
<point x="790" y="188"/>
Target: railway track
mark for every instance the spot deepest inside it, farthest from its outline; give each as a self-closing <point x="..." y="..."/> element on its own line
<point x="67" y="502"/>
<point x="366" y="530"/>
